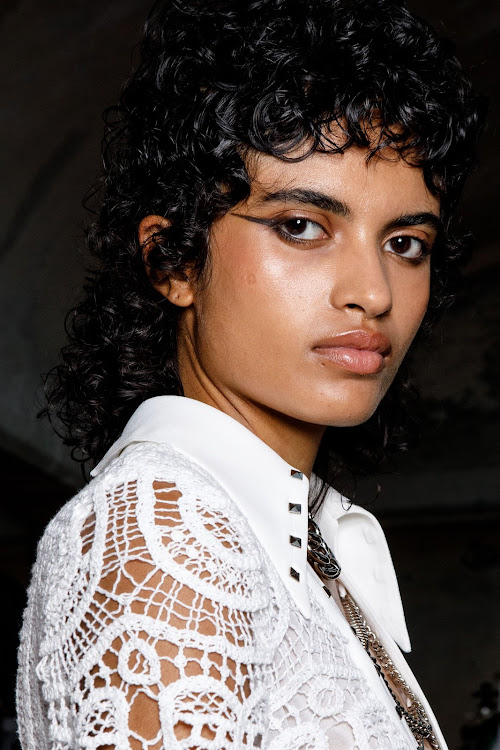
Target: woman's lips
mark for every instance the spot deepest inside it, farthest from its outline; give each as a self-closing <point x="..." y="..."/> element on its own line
<point x="361" y="361"/>
<point x="360" y="351"/>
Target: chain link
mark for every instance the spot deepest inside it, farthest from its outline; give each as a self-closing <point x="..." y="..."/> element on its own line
<point x="319" y="554"/>
<point x="415" y="715"/>
<point x="325" y="564"/>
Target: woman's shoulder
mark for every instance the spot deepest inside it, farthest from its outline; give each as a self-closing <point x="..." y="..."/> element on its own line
<point x="174" y="502"/>
<point x="153" y="511"/>
<point x="141" y="578"/>
<point x="165" y="490"/>
<point x="143" y="461"/>
<point x="144" y="477"/>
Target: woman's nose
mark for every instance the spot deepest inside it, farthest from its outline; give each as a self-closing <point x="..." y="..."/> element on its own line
<point x="362" y="282"/>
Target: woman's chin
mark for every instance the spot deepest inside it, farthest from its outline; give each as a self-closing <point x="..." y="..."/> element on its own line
<point x="347" y="420"/>
<point x="328" y="414"/>
<point x="337" y="409"/>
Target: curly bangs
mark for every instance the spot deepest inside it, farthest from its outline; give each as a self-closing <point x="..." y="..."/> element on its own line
<point x="217" y="80"/>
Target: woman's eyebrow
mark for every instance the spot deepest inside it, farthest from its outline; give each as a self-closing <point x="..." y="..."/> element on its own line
<point x="329" y="203"/>
<point x="309" y="197"/>
<point x="417" y="219"/>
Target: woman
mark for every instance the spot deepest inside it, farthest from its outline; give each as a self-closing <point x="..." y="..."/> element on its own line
<point x="279" y="182"/>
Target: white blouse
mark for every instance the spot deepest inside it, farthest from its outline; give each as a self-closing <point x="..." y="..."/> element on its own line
<point x="171" y="605"/>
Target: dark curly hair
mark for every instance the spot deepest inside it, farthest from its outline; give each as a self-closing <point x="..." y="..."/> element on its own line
<point x="218" y="79"/>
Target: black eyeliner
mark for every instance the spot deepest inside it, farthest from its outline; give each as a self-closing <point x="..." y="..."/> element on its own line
<point x="275" y="224"/>
<point x="266" y="222"/>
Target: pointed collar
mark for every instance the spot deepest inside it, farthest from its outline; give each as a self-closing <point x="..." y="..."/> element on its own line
<point x="274" y="498"/>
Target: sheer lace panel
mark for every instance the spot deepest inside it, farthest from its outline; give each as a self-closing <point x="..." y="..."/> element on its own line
<point x="157" y="648"/>
<point x="157" y="622"/>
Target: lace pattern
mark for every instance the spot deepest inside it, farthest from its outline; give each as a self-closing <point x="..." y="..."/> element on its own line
<point x="155" y="620"/>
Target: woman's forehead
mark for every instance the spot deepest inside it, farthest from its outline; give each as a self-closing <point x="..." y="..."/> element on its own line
<point x="350" y="176"/>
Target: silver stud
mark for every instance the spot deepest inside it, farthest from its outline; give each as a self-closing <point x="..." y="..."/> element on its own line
<point x="294" y="508"/>
<point x="327" y="591"/>
<point x="295" y="574"/>
<point x="296" y="474"/>
<point x="295" y="541"/>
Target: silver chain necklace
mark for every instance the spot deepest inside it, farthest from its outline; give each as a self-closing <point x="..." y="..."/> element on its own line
<point x="325" y="564"/>
<point x="319" y="554"/>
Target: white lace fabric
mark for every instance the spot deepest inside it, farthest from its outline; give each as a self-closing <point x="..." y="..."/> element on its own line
<point x="156" y="620"/>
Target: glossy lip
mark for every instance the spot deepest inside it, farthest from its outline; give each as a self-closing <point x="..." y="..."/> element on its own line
<point x="360" y="351"/>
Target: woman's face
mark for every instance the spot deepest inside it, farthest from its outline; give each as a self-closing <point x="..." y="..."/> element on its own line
<point x="318" y="284"/>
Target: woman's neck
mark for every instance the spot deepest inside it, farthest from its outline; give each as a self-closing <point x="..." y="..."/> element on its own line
<point x="296" y="442"/>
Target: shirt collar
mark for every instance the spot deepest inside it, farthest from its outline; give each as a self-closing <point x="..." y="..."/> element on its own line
<point x="274" y="498"/>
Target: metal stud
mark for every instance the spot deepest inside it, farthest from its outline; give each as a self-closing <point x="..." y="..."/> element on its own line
<point x="295" y="541"/>
<point x="294" y="508"/>
<point x="295" y="574"/>
<point x="296" y="474"/>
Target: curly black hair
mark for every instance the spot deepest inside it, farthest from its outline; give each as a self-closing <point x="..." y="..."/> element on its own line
<point x="217" y="80"/>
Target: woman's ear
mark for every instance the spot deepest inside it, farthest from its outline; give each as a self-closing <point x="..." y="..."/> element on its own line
<point x="176" y="287"/>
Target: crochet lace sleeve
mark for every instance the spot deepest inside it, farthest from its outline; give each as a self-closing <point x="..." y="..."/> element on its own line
<point x="155" y="620"/>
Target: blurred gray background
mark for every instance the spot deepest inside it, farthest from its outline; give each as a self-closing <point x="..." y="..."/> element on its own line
<point x="61" y="63"/>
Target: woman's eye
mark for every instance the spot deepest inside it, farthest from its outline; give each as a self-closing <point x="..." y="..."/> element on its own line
<point x="301" y="229"/>
<point x="407" y="247"/>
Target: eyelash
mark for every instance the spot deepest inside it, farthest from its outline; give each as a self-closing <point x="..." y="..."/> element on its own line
<point x="425" y="248"/>
<point x="277" y="224"/>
